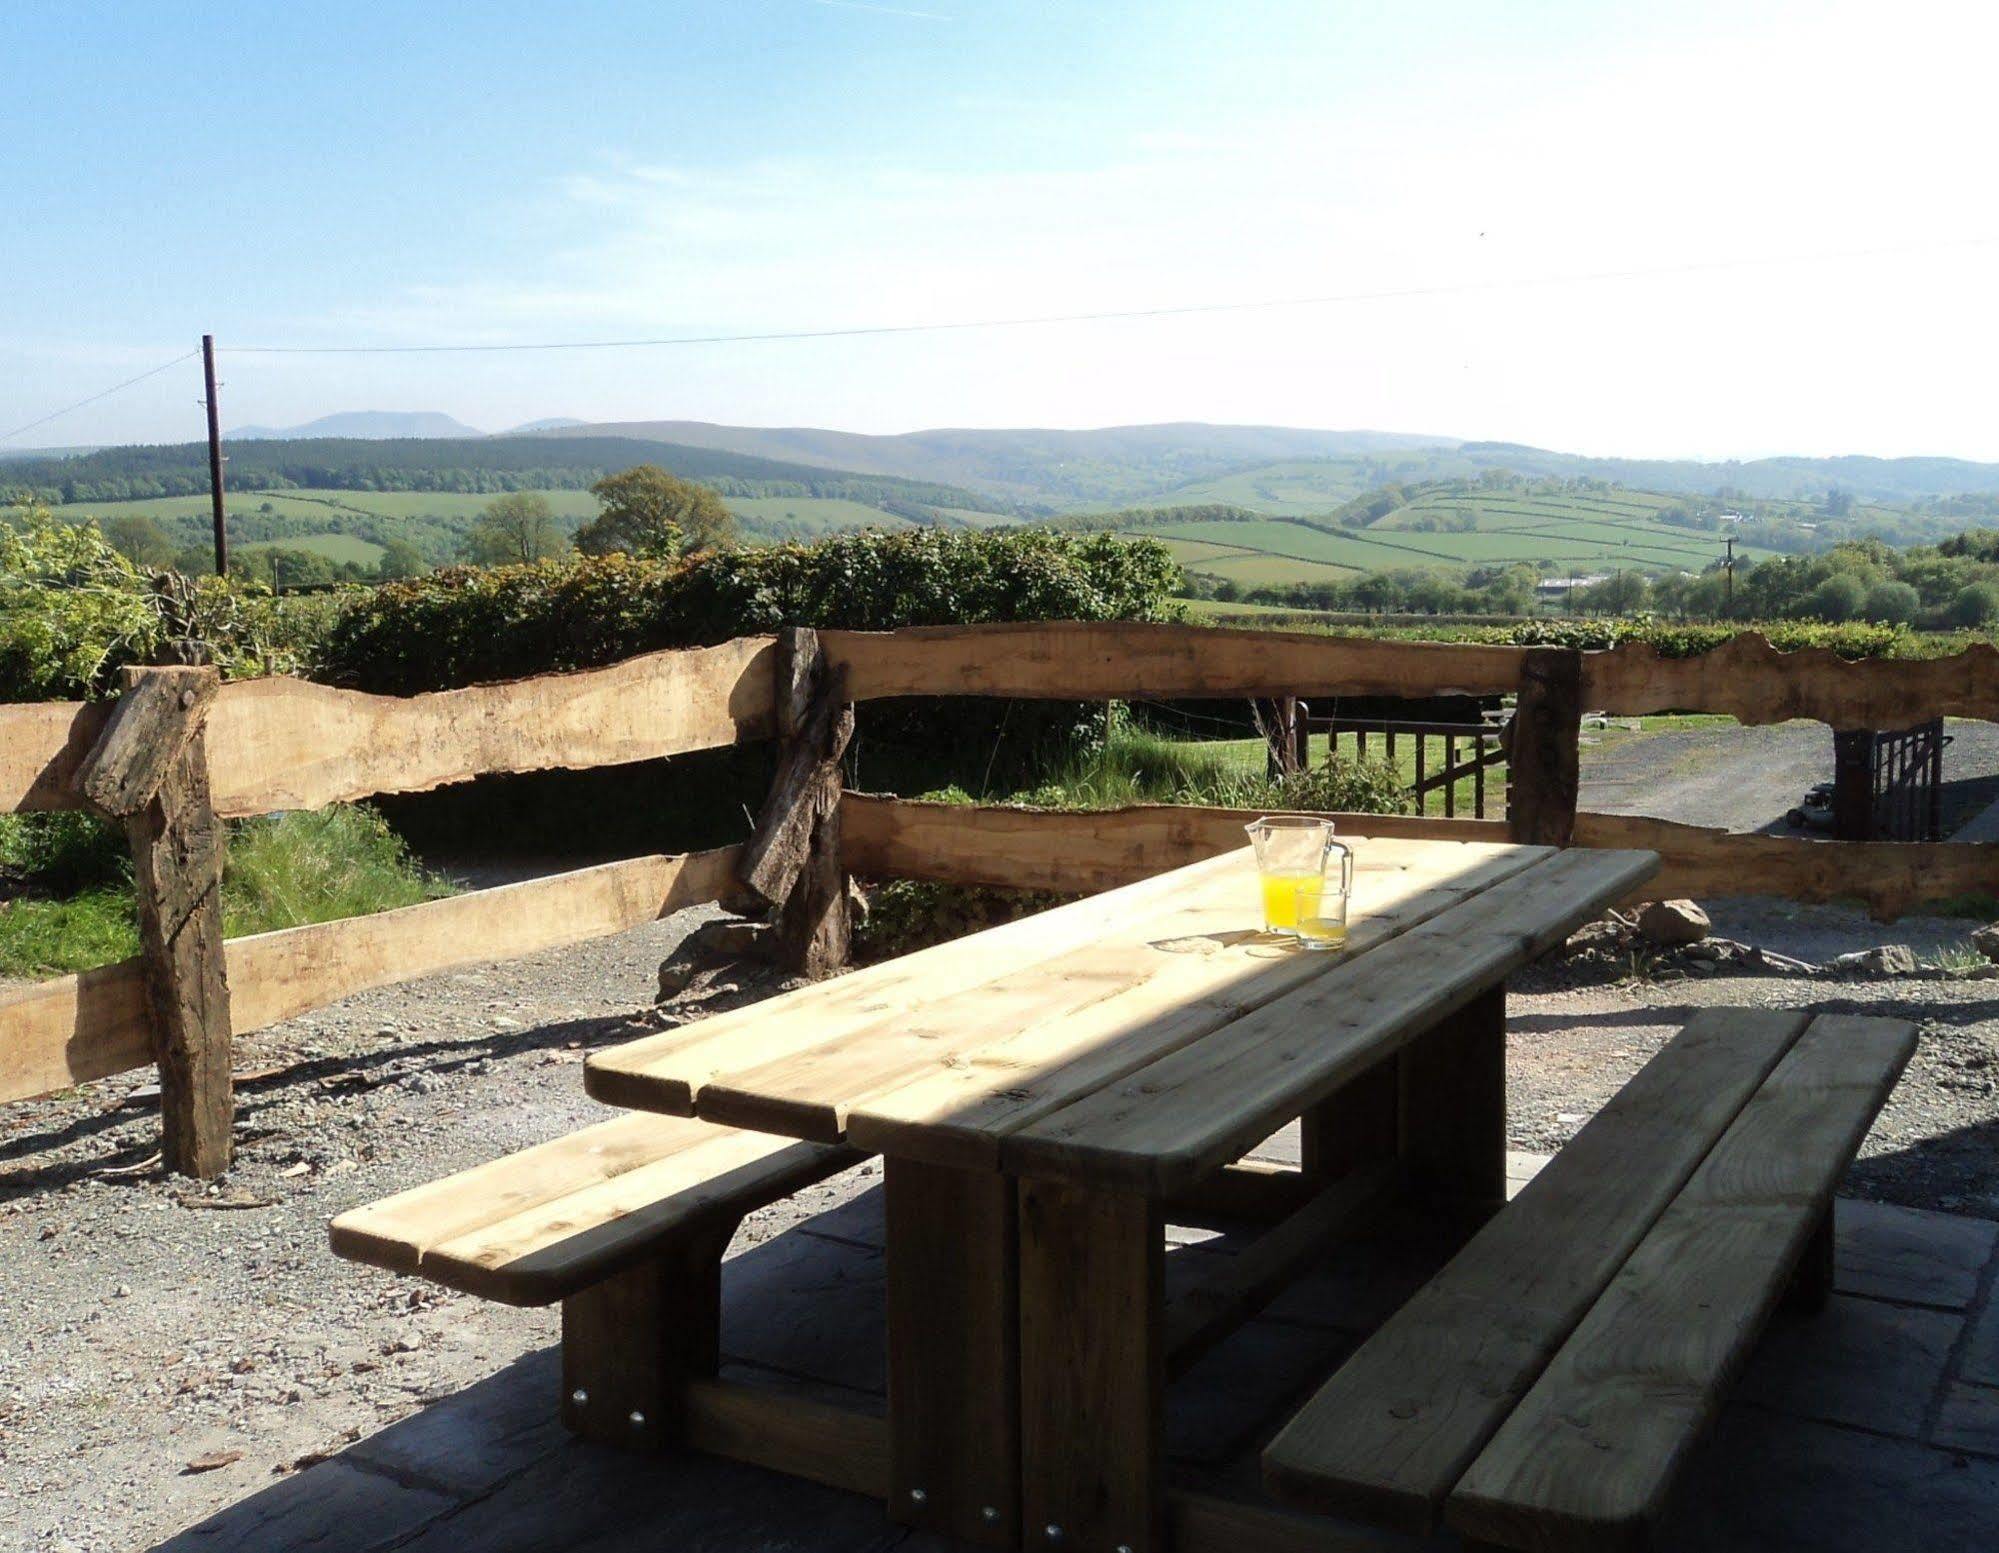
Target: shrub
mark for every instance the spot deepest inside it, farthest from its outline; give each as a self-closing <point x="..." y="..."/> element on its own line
<point x="1976" y="605"/>
<point x="73" y="610"/>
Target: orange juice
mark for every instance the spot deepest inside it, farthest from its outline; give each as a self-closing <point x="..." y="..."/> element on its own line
<point x="1283" y="897"/>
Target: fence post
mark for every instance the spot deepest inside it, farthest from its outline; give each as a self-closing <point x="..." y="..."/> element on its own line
<point x="792" y="859"/>
<point x="1542" y="775"/>
<point x="149" y="770"/>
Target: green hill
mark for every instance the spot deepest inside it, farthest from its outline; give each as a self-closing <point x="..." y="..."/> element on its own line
<point x="1449" y="527"/>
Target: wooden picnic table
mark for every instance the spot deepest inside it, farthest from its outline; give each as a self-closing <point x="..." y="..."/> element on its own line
<point x="1045" y="1092"/>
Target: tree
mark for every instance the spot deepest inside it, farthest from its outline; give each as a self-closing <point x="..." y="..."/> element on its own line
<point x="1621" y="594"/>
<point x="1892" y="603"/>
<point x="400" y="559"/>
<point x="1976" y="605"/>
<point x="1842" y="596"/>
<point x="517" y="529"/>
<point x="141" y="541"/>
<point x="647" y="511"/>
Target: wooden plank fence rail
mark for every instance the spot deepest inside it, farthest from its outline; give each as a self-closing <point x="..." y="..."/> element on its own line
<point x="1072" y="852"/>
<point x="1106" y="660"/>
<point x="287" y="744"/>
<point x="72" y="1029"/>
<point x="1753" y="682"/>
<point x="264" y="745"/>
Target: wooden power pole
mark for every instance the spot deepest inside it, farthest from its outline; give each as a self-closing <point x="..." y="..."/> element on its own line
<point x="215" y="456"/>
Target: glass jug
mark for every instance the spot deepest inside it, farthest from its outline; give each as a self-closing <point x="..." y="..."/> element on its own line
<point x="1292" y="855"/>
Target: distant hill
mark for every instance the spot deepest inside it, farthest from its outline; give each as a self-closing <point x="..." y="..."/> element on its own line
<point x="1297" y="470"/>
<point x="1110" y="464"/>
<point x="366" y="425"/>
<point x="467" y="465"/>
<point x="547" y="423"/>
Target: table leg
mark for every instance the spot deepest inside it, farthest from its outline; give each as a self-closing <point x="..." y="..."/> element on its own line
<point x="1454" y="1108"/>
<point x="953" y="1359"/>
<point x="1352" y="1127"/>
<point x="1093" y="1370"/>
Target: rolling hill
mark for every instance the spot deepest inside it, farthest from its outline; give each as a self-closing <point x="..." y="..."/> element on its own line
<point x="370" y="425"/>
<point x="1114" y="464"/>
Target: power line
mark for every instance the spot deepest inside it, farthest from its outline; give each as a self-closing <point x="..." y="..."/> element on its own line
<point x="7" y="436"/>
<point x="1457" y="288"/>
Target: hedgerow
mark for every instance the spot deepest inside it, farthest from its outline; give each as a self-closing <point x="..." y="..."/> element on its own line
<point x="465" y="625"/>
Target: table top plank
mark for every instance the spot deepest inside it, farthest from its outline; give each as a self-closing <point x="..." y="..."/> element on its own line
<point x="808" y="1092"/>
<point x="954" y="1107"/>
<point x="1170" y="1122"/>
<point x="665" y="1072"/>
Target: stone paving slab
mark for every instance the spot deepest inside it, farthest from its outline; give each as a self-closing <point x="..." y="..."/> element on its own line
<point x="1909" y="1255"/>
<point x="1765" y="1483"/>
<point x="1865" y="1428"/>
<point x="1860" y="1362"/>
<point x="336" y="1506"/>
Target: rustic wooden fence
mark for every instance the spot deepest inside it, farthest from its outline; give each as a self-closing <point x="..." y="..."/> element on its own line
<point x="176" y="753"/>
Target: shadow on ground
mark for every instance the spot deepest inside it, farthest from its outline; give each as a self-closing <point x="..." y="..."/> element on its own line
<point x="1873" y="1426"/>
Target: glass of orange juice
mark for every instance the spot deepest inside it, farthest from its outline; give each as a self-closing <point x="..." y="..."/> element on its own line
<point x="1320" y="906"/>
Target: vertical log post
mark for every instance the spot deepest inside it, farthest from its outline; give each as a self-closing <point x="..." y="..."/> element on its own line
<point x="792" y="859"/>
<point x="149" y="771"/>
<point x="1542" y="777"/>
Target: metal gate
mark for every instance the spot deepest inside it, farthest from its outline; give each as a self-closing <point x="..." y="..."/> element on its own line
<point x="1888" y="786"/>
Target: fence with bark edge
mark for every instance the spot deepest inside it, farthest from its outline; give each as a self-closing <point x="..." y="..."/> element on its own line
<point x="177" y="752"/>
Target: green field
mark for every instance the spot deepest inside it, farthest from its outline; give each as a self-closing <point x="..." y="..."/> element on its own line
<point x="1305" y="488"/>
<point x="335" y="547"/>
<point x="1450" y="528"/>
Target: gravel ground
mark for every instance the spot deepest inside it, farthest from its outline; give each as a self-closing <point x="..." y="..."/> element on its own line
<point x="149" y="1324"/>
<point x="1744" y="779"/>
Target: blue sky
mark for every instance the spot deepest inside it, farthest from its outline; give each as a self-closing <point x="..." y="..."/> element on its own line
<point x="455" y="173"/>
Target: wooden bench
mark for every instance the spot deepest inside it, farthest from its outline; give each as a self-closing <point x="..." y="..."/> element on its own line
<point x="625" y="1223"/>
<point x="1543" y="1390"/>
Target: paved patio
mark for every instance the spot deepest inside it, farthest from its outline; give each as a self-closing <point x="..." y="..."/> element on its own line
<point x="1873" y="1427"/>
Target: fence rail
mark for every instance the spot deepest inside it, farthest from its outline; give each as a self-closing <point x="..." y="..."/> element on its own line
<point x="279" y="744"/>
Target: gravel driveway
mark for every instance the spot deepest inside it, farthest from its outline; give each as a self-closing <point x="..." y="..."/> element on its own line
<point x="1744" y="779"/>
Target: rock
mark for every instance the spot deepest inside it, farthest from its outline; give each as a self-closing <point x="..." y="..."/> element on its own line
<point x="1881" y="960"/>
<point x="1986" y="942"/>
<point x="712" y="943"/>
<point x="1672" y="923"/>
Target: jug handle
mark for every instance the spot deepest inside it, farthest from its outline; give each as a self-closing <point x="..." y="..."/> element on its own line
<point x="1346" y="865"/>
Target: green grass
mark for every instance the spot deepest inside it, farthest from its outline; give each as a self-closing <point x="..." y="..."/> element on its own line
<point x="1561" y="532"/>
<point x="1137" y="765"/>
<point x="283" y="871"/>
<point x="1302" y="488"/>
<point x="811" y="516"/>
<point x="335" y="547"/>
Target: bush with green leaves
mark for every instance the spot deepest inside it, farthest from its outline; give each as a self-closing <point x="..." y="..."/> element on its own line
<point x="465" y="625"/>
<point x="74" y="610"/>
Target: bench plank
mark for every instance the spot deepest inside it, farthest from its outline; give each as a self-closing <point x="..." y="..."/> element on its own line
<point x="548" y="1221"/>
<point x="1393" y="1431"/>
<point x="1172" y="1121"/>
<point x="1586" y="1460"/>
